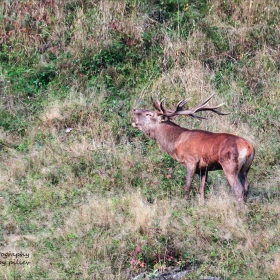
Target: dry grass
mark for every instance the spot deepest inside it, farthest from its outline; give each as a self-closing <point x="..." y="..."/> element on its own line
<point x="246" y="12"/>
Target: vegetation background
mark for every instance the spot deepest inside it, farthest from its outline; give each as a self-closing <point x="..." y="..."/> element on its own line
<point x="86" y="194"/>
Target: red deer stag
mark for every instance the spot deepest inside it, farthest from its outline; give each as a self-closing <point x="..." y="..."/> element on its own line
<point x="200" y="151"/>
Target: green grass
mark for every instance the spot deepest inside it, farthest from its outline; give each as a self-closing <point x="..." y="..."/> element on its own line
<point x="89" y="196"/>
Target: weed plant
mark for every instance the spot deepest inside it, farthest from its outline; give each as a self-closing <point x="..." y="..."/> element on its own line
<point x="87" y="196"/>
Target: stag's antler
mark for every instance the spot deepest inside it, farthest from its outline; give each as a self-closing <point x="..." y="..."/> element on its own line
<point x="179" y="108"/>
<point x="158" y="104"/>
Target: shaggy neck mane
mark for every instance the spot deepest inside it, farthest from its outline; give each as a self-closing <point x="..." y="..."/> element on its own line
<point x="166" y="135"/>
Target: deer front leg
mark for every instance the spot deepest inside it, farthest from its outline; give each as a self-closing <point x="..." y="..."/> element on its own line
<point x="189" y="178"/>
<point x="203" y="178"/>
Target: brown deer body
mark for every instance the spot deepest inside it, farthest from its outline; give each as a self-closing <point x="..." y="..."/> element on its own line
<point x="200" y="151"/>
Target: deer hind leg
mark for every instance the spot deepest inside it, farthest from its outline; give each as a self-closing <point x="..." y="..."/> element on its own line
<point x="235" y="183"/>
<point x="233" y="175"/>
<point x="244" y="181"/>
<point x="244" y="172"/>
<point x="236" y="165"/>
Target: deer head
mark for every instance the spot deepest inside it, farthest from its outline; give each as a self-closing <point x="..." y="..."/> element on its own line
<point x="148" y="119"/>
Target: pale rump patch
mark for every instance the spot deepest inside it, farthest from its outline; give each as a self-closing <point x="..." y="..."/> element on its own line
<point x="243" y="153"/>
<point x="242" y="156"/>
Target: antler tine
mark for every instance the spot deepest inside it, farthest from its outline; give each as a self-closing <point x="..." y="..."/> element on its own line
<point x="182" y="103"/>
<point x="159" y="105"/>
<point x="201" y="105"/>
<point x="156" y="103"/>
<point x="163" y="110"/>
<point x="198" y="117"/>
<point x="219" y="113"/>
<point x="213" y="109"/>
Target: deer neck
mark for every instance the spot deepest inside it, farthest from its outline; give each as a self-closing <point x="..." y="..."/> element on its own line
<point x="166" y="135"/>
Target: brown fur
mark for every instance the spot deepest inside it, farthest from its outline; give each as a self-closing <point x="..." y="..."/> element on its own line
<point x="200" y="151"/>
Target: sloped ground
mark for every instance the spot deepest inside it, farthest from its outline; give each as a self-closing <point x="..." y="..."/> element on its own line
<point x="84" y="194"/>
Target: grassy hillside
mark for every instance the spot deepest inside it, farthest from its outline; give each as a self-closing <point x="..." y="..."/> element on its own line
<point x="84" y="194"/>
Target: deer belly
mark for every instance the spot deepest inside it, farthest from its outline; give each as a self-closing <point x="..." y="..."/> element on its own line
<point x="208" y="164"/>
